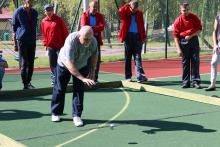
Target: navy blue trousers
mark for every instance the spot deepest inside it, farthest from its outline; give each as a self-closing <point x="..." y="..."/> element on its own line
<point x="26" y="60"/>
<point x="98" y="63"/>
<point x="2" y="72"/>
<point x="62" y="78"/>
<point x="133" y="47"/>
<point x="191" y="61"/>
<point x="53" y="56"/>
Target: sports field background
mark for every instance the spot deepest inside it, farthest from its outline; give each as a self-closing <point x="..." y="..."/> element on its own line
<point x="140" y="118"/>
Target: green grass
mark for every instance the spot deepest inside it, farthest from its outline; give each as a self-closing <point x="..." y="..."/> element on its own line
<point x="43" y="61"/>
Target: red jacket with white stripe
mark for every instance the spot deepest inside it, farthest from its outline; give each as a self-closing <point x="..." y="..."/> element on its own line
<point x="54" y="32"/>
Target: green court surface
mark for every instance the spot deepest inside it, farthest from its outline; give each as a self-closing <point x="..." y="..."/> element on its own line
<point x="140" y="118"/>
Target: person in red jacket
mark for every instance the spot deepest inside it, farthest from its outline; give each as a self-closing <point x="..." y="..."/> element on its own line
<point x="186" y="29"/>
<point x="54" y="33"/>
<point x="96" y="20"/>
<point x="132" y="33"/>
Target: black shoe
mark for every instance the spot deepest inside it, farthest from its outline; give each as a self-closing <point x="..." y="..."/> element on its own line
<point x="210" y="88"/>
<point x="196" y="85"/>
<point x="142" y="80"/>
<point x="185" y="86"/>
<point x="28" y="86"/>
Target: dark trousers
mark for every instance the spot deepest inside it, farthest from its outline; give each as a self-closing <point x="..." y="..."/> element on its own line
<point x="26" y="60"/>
<point x="98" y="63"/>
<point x="191" y="61"/>
<point x="53" y="55"/>
<point x="133" y="47"/>
<point x="59" y="89"/>
<point x="2" y="72"/>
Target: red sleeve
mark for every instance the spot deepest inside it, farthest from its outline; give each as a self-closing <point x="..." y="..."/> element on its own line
<point x="176" y="31"/>
<point x="65" y="30"/>
<point x="83" y="20"/>
<point x="124" y="11"/>
<point x="197" y="24"/>
<point x="43" y="33"/>
<point x="100" y="26"/>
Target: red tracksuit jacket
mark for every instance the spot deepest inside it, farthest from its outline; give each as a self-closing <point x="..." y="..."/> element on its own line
<point x="125" y="17"/>
<point x="54" y="32"/>
<point x="184" y="26"/>
<point x="100" y="24"/>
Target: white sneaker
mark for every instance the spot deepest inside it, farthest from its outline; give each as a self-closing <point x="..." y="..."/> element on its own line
<point x="55" y="118"/>
<point x="128" y="80"/>
<point x="77" y="121"/>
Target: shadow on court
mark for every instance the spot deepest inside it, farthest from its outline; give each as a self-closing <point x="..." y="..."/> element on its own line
<point x="15" y="99"/>
<point x="13" y="114"/>
<point x="158" y="125"/>
<point x="161" y="124"/>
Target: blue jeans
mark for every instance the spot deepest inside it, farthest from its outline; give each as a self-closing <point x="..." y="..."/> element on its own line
<point x="133" y="47"/>
<point x="53" y="55"/>
<point x="191" y="61"/>
<point x="2" y="72"/>
<point x="59" y="89"/>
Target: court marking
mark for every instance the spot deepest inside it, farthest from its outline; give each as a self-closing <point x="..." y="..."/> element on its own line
<point x="7" y="141"/>
<point x="127" y="96"/>
<point x="173" y="93"/>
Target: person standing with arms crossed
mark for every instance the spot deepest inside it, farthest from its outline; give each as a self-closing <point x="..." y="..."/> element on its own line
<point x="24" y="24"/>
<point x="216" y="54"/>
<point x="72" y="61"/>
<point x="54" y="33"/>
<point x="132" y="33"/>
<point x="186" y="29"/>
<point x="96" y="20"/>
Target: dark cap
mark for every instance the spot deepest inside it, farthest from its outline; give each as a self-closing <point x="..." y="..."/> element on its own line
<point x="48" y="6"/>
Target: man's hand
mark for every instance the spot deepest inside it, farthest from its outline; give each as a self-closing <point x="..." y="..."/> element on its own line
<point x="91" y="75"/>
<point x="15" y="48"/>
<point x="215" y="49"/>
<point x="88" y="82"/>
<point x="15" y="42"/>
<point x="188" y="37"/>
<point x="179" y="52"/>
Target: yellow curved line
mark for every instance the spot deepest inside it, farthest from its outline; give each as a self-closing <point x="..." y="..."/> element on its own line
<point x="102" y="125"/>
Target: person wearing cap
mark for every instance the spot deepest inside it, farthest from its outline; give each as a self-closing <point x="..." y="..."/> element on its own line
<point x="96" y="20"/>
<point x="3" y="65"/>
<point x="72" y="61"/>
<point x="215" y="54"/>
<point x="54" y="33"/>
<point x="186" y="29"/>
<point x="132" y="33"/>
<point x="24" y="24"/>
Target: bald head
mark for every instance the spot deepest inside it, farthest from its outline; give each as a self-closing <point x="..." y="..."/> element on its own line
<point x="93" y="7"/>
<point x="85" y="35"/>
<point x="86" y="31"/>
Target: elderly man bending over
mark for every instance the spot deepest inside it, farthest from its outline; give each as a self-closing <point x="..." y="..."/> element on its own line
<point x="72" y="61"/>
